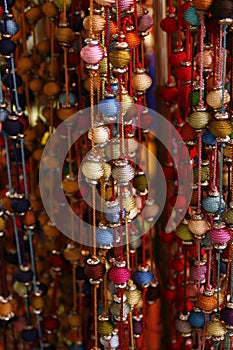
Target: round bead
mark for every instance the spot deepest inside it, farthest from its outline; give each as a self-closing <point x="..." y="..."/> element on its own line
<point x="214" y="98"/>
<point x="183" y="325"/>
<point x="92" y="168"/>
<point x="141" y="81"/>
<point x="216" y="329"/>
<point x="122" y="172"/>
<point x="7" y="47"/>
<point x="98" y="23"/>
<point x="92" y="53"/>
<point x="199" y="119"/>
<point x="64" y="34"/>
<point x="184" y="233"/>
<point x="197" y="318"/>
<point x="119" y="57"/>
<point x="29" y="334"/>
<point x="99" y="134"/>
<point x="207" y="303"/>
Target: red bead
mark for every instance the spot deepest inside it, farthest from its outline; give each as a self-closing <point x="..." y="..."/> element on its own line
<point x="168" y="94"/>
<point x="169" y="24"/>
<point x="178" y="264"/>
<point x="179" y="201"/>
<point x="176" y="57"/>
<point x="169" y="294"/>
<point x="169" y="172"/>
<point x="57" y="261"/>
<point x="180" y="305"/>
<point x="50" y="323"/>
<point x="183" y="73"/>
<point x="166" y="237"/>
<point x="188" y="133"/>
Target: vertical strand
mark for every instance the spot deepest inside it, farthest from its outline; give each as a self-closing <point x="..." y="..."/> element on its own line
<point x="224" y="66"/>
<point x="199" y="171"/>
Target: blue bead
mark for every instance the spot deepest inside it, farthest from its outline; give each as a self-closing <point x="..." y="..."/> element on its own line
<point x="8" y="80"/>
<point x="205" y="242"/>
<point x="16" y="155"/>
<point x="20" y="205"/>
<point x="211" y="204"/>
<point x="191" y="16"/>
<point x="13" y="127"/>
<point x="7" y="47"/>
<point x="29" y="335"/>
<point x="109" y="106"/>
<point x="23" y="276"/>
<point x="11" y="27"/>
<point x="223" y="267"/>
<point x="208" y="138"/>
<point x="197" y="319"/>
<point x="72" y="98"/>
<point x="143" y="277"/>
<point x="104" y="236"/>
<point x="3" y="114"/>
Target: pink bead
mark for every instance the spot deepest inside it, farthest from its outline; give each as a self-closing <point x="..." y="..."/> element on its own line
<point x="220" y="235"/>
<point x="145" y="23"/>
<point x="125" y="4"/>
<point x="119" y="275"/>
<point x="198" y="273"/>
<point x="92" y="54"/>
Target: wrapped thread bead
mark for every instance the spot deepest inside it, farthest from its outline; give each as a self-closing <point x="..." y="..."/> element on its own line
<point x="197" y="318"/>
<point x="122" y="172"/>
<point x="117" y="311"/>
<point x="184" y="233"/>
<point x="191" y="16"/>
<point x="119" y="273"/>
<point x="220" y="234"/>
<point x="202" y="5"/>
<point x="198" y="225"/>
<point x="119" y="57"/>
<point x="206" y="302"/>
<point x="216" y="329"/>
<point x="211" y="203"/>
<point x="214" y="98"/>
<point x="199" y="119"/>
<point x="183" y="325"/>
<point x="92" y="53"/>
<point x="143" y="276"/>
<point x="104" y="236"/>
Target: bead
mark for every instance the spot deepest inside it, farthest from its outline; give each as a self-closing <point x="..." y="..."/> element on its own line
<point x="207" y="302"/>
<point x="37" y="301"/>
<point x="143" y="276"/>
<point x="72" y="253"/>
<point x="216" y="329"/>
<point x="169" y="24"/>
<point x="197" y="318"/>
<point x="220" y="128"/>
<point x="199" y="119"/>
<point x="198" y="225"/>
<point x="119" y="273"/>
<point x="125" y="5"/>
<point x="220" y="234"/>
<point x="7" y="47"/>
<point x="122" y="172"/>
<point x="99" y="134"/>
<point x="114" y="342"/>
<point x="75" y="319"/>
<point x="226" y="315"/>
<point x="105" y="2"/>
<point x="191" y="16"/>
<point x="92" y="53"/>
<point x="92" y="168"/>
<point x="112" y="212"/>
<point x="132" y="39"/>
<point x="51" y="89"/>
<point x="50" y="324"/>
<point x="70" y="185"/>
<point x="33" y="14"/>
<point x="202" y="5"/>
<point x="98" y="23"/>
<point x="211" y="203"/>
<point x="208" y="138"/>
<point x="141" y="81"/>
<point x="214" y="98"/>
<point x="109" y="106"/>
<point x="222" y="9"/>
<point x="104" y="326"/>
<point x="6" y="308"/>
<point x="119" y="57"/>
<point x="184" y="233"/>
<point x="49" y="9"/>
<point x="145" y="23"/>
<point x="183" y="325"/>
<point x="29" y="334"/>
<point x="94" y="269"/>
<point x="117" y="311"/>
<point x="60" y="3"/>
<point x="64" y="35"/>
<point x="104" y="236"/>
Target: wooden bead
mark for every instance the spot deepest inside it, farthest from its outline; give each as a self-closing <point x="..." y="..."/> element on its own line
<point x="65" y="112"/>
<point x="30" y="135"/>
<point x="34" y="14"/>
<point x="30" y="218"/>
<point x="50" y="9"/>
<point x="51" y="89"/>
<point x="72" y="253"/>
<point x="75" y="320"/>
<point x="25" y="63"/>
<point x="43" y="46"/>
<point x="64" y="34"/>
<point x="50" y="230"/>
<point x="70" y="186"/>
<point x="36" y="85"/>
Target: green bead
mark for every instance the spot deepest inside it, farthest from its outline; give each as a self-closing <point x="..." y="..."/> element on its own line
<point x="104" y="327"/>
<point x="205" y="173"/>
<point x="196" y="97"/>
<point x="229" y="215"/>
<point x="140" y="182"/>
<point x="184" y="233"/>
<point x="20" y="288"/>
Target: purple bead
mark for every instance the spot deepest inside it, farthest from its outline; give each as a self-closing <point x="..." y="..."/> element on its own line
<point x="226" y="315"/>
<point x="137" y="327"/>
<point x="20" y="205"/>
<point x="13" y="127"/>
